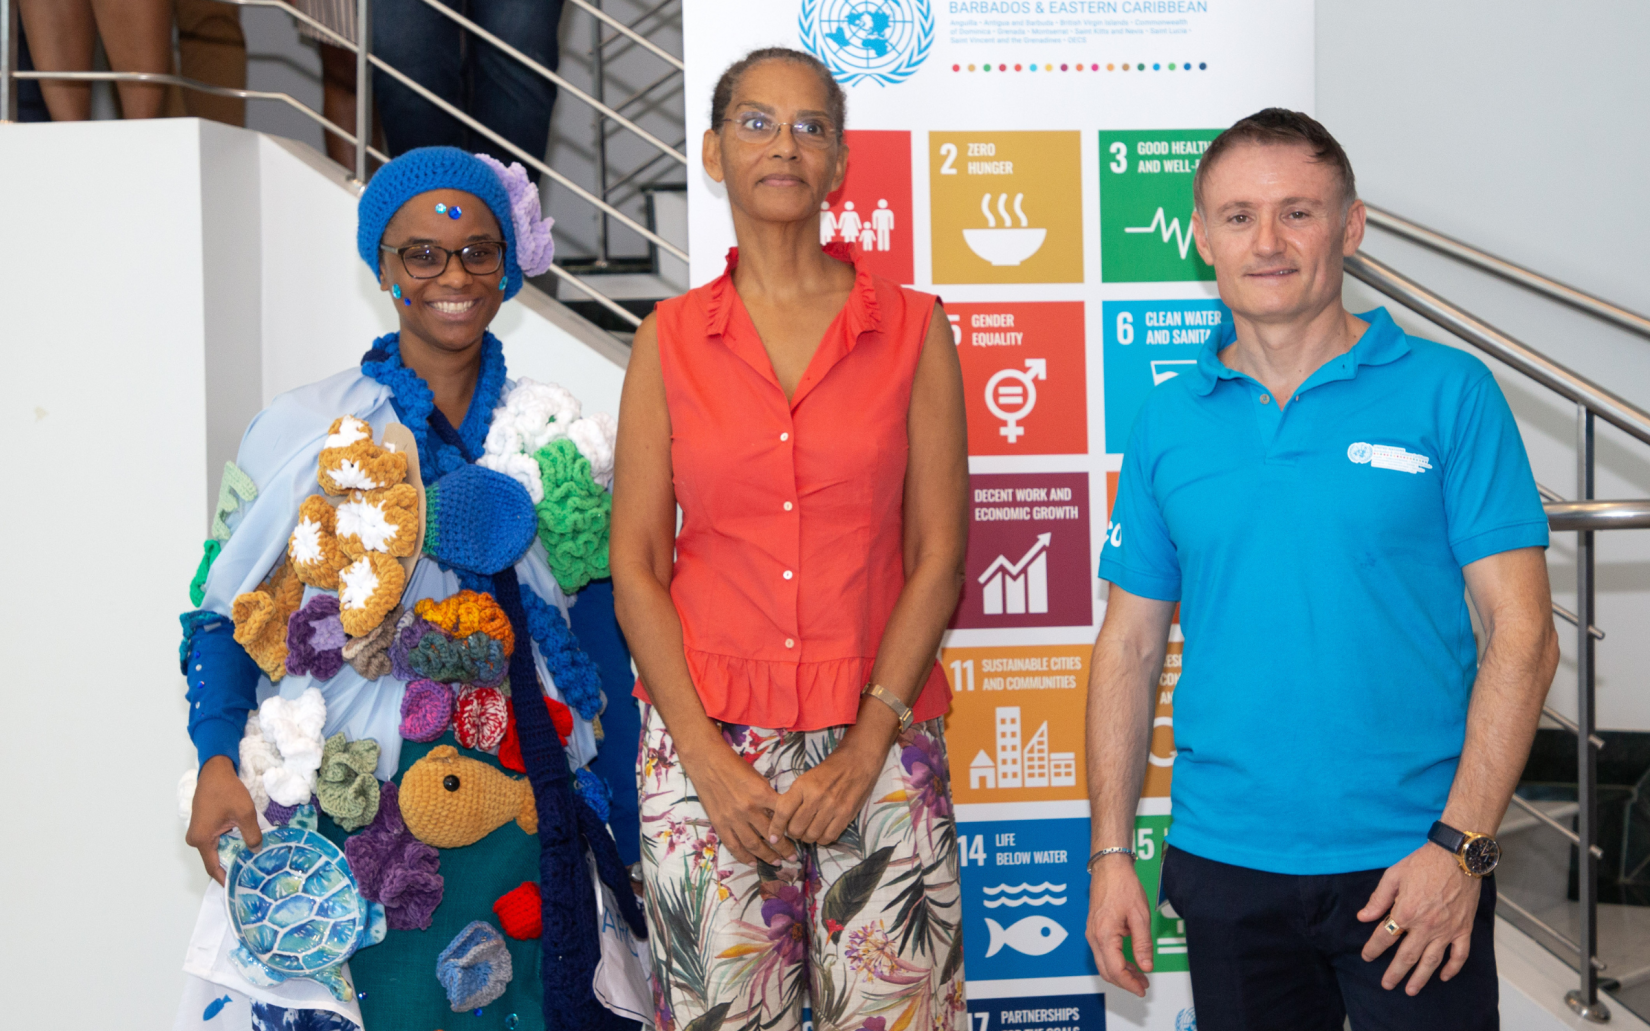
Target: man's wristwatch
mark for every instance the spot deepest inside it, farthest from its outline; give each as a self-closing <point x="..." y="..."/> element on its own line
<point x="1478" y="854"/>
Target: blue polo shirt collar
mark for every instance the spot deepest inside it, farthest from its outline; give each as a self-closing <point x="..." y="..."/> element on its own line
<point x="1381" y="343"/>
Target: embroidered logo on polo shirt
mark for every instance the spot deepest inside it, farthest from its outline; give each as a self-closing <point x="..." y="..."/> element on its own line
<point x="1385" y="456"/>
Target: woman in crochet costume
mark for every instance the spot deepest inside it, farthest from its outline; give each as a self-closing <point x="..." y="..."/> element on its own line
<point x="807" y="417"/>
<point x="311" y="584"/>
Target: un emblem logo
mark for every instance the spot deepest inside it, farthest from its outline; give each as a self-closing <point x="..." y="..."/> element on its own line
<point x="881" y="40"/>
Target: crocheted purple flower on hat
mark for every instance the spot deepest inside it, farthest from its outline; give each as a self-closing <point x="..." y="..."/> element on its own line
<point x="394" y="868"/>
<point x="426" y="710"/>
<point x="315" y="639"/>
<point x="534" y="248"/>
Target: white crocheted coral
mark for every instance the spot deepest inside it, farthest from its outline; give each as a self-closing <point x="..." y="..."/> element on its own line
<point x="293" y="727"/>
<point x="531" y="416"/>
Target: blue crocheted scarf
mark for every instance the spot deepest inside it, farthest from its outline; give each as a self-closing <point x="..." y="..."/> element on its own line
<point x="415" y="404"/>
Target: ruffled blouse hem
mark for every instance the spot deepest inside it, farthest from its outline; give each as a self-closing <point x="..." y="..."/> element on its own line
<point x="793" y="696"/>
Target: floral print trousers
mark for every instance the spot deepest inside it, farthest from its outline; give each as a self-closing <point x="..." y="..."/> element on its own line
<point x="869" y="928"/>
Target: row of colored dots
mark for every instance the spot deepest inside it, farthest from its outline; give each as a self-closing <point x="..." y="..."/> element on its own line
<point x="1125" y="66"/>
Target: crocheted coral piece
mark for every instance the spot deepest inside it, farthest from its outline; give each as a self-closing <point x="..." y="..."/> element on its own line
<point x="292" y="726"/>
<point x="574" y="517"/>
<point x="467" y="612"/>
<point x="370" y="655"/>
<point x="596" y="437"/>
<point x="477" y="659"/>
<point x="347" y="788"/>
<point x="450" y="801"/>
<point x="426" y="710"/>
<point x="394" y="868"/>
<point x="211" y="548"/>
<point x="518" y="912"/>
<point x="257" y="754"/>
<point x="313" y="547"/>
<point x="595" y="793"/>
<point x="480" y="718"/>
<point x="281" y="815"/>
<point x="534" y="247"/>
<point x="368" y="589"/>
<point x="573" y="671"/>
<point x="509" y="750"/>
<point x="383" y="521"/>
<point x="260" y="619"/>
<point x="315" y="639"/>
<point x="475" y="969"/>
<point x="350" y="461"/>
<point x="562" y="718"/>
<point x="409" y="631"/>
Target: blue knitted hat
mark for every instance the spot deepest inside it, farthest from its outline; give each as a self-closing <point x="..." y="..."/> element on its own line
<point x="433" y="168"/>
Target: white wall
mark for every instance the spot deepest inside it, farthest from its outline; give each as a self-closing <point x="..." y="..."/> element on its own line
<point x="160" y="281"/>
<point x="1519" y="126"/>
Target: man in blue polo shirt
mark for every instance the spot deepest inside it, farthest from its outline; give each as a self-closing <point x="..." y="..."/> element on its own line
<point x="1319" y="495"/>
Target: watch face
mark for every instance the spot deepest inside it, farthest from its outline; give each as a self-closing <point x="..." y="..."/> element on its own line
<point x="1481" y="855"/>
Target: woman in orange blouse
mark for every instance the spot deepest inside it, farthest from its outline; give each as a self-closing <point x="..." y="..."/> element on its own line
<point x="807" y="417"/>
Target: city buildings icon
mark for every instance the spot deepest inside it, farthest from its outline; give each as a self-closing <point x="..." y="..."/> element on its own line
<point x="1029" y="765"/>
<point x="1017" y="588"/>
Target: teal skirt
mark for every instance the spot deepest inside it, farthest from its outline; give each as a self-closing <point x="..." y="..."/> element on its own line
<point x="395" y="979"/>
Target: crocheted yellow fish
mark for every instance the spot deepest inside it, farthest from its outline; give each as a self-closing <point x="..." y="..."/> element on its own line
<point x="450" y="801"/>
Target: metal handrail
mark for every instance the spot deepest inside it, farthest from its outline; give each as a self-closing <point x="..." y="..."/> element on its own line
<point x="635" y="37"/>
<point x="160" y="79"/>
<point x="1502" y="899"/>
<point x="600" y="298"/>
<point x="606" y="111"/>
<point x="1575" y="839"/>
<point x="1581" y="300"/>
<point x="1598" y="515"/>
<point x="1616" y="410"/>
<point x="1571" y="725"/>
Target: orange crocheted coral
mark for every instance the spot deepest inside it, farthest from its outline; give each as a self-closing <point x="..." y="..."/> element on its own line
<point x="384" y="521"/>
<point x="368" y="589"/>
<point x="351" y="461"/>
<point x="449" y="800"/>
<point x="313" y="548"/>
<point x="468" y="612"/>
<point x="260" y="619"/>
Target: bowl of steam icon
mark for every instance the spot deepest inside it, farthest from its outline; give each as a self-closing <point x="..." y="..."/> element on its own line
<point x="1003" y="243"/>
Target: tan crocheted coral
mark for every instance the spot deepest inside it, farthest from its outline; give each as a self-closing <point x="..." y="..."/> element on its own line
<point x="449" y="800"/>
<point x="383" y="521"/>
<point x="313" y="548"/>
<point x="260" y="618"/>
<point x="368" y="589"/>
<point x="351" y="461"/>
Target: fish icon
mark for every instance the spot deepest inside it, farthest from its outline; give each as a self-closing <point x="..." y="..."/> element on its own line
<point x="215" y="1007"/>
<point x="1032" y="936"/>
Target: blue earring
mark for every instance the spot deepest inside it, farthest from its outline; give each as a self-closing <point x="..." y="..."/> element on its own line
<point x="501" y="285"/>
<point x="395" y="291"/>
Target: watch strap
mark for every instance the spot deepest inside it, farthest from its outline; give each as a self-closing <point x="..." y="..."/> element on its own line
<point x="1446" y="837"/>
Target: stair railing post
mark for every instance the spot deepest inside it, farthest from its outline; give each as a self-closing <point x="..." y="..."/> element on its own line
<point x="8" y="61"/>
<point x="599" y="91"/>
<point x="363" y="87"/>
<point x="1585" y="1001"/>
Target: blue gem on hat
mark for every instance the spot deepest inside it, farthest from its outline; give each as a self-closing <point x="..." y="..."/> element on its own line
<point x="455" y="212"/>
<point x="441" y="209"/>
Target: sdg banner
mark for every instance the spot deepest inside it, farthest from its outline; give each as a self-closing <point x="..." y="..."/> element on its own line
<point x="1031" y="162"/>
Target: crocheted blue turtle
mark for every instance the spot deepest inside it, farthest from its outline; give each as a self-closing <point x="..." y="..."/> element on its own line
<point x="295" y="906"/>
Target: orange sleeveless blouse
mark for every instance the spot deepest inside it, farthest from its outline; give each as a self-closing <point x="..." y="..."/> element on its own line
<point x="789" y="559"/>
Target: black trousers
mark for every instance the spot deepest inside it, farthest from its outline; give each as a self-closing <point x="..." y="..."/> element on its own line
<point x="1280" y="952"/>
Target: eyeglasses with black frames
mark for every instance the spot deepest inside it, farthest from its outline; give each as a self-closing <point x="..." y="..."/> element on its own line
<point x="428" y="260"/>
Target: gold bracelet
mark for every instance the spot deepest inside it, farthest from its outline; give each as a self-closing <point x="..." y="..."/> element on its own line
<point x="888" y="698"/>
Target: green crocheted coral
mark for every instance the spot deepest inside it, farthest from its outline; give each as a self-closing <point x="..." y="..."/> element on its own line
<point x="574" y="516"/>
<point x="209" y="554"/>
<point x="347" y="788"/>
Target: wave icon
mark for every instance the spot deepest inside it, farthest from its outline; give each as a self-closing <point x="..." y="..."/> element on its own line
<point x="1029" y="893"/>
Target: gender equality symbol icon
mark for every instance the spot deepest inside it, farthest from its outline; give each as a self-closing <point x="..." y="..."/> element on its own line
<point x="1011" y="394"/>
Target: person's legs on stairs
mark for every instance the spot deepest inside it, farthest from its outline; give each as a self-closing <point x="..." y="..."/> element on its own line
<point x="212" y="49"/>
<point x="423" y="45"/>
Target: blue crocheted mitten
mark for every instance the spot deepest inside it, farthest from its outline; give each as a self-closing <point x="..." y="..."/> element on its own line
<point x="479" y="520"/>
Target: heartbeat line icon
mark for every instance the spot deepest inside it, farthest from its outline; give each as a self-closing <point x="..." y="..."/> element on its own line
<point x="1182" y="237"/>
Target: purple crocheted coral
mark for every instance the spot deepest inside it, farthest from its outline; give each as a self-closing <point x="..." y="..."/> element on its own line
<point x="406" y="639"/>
<point x="534" y="248"/>
<point x="396" y="869"/>
<point x="426" y="710"/>
<point x="281" y="815"/>
<point x="315" y="639"/>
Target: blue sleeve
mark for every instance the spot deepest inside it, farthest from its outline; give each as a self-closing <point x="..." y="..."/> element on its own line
<point x="598" y="631"/>
<point x="1490" y="500"/>
<point x="223" y="685"/>
<point x="1138" y="555"/>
